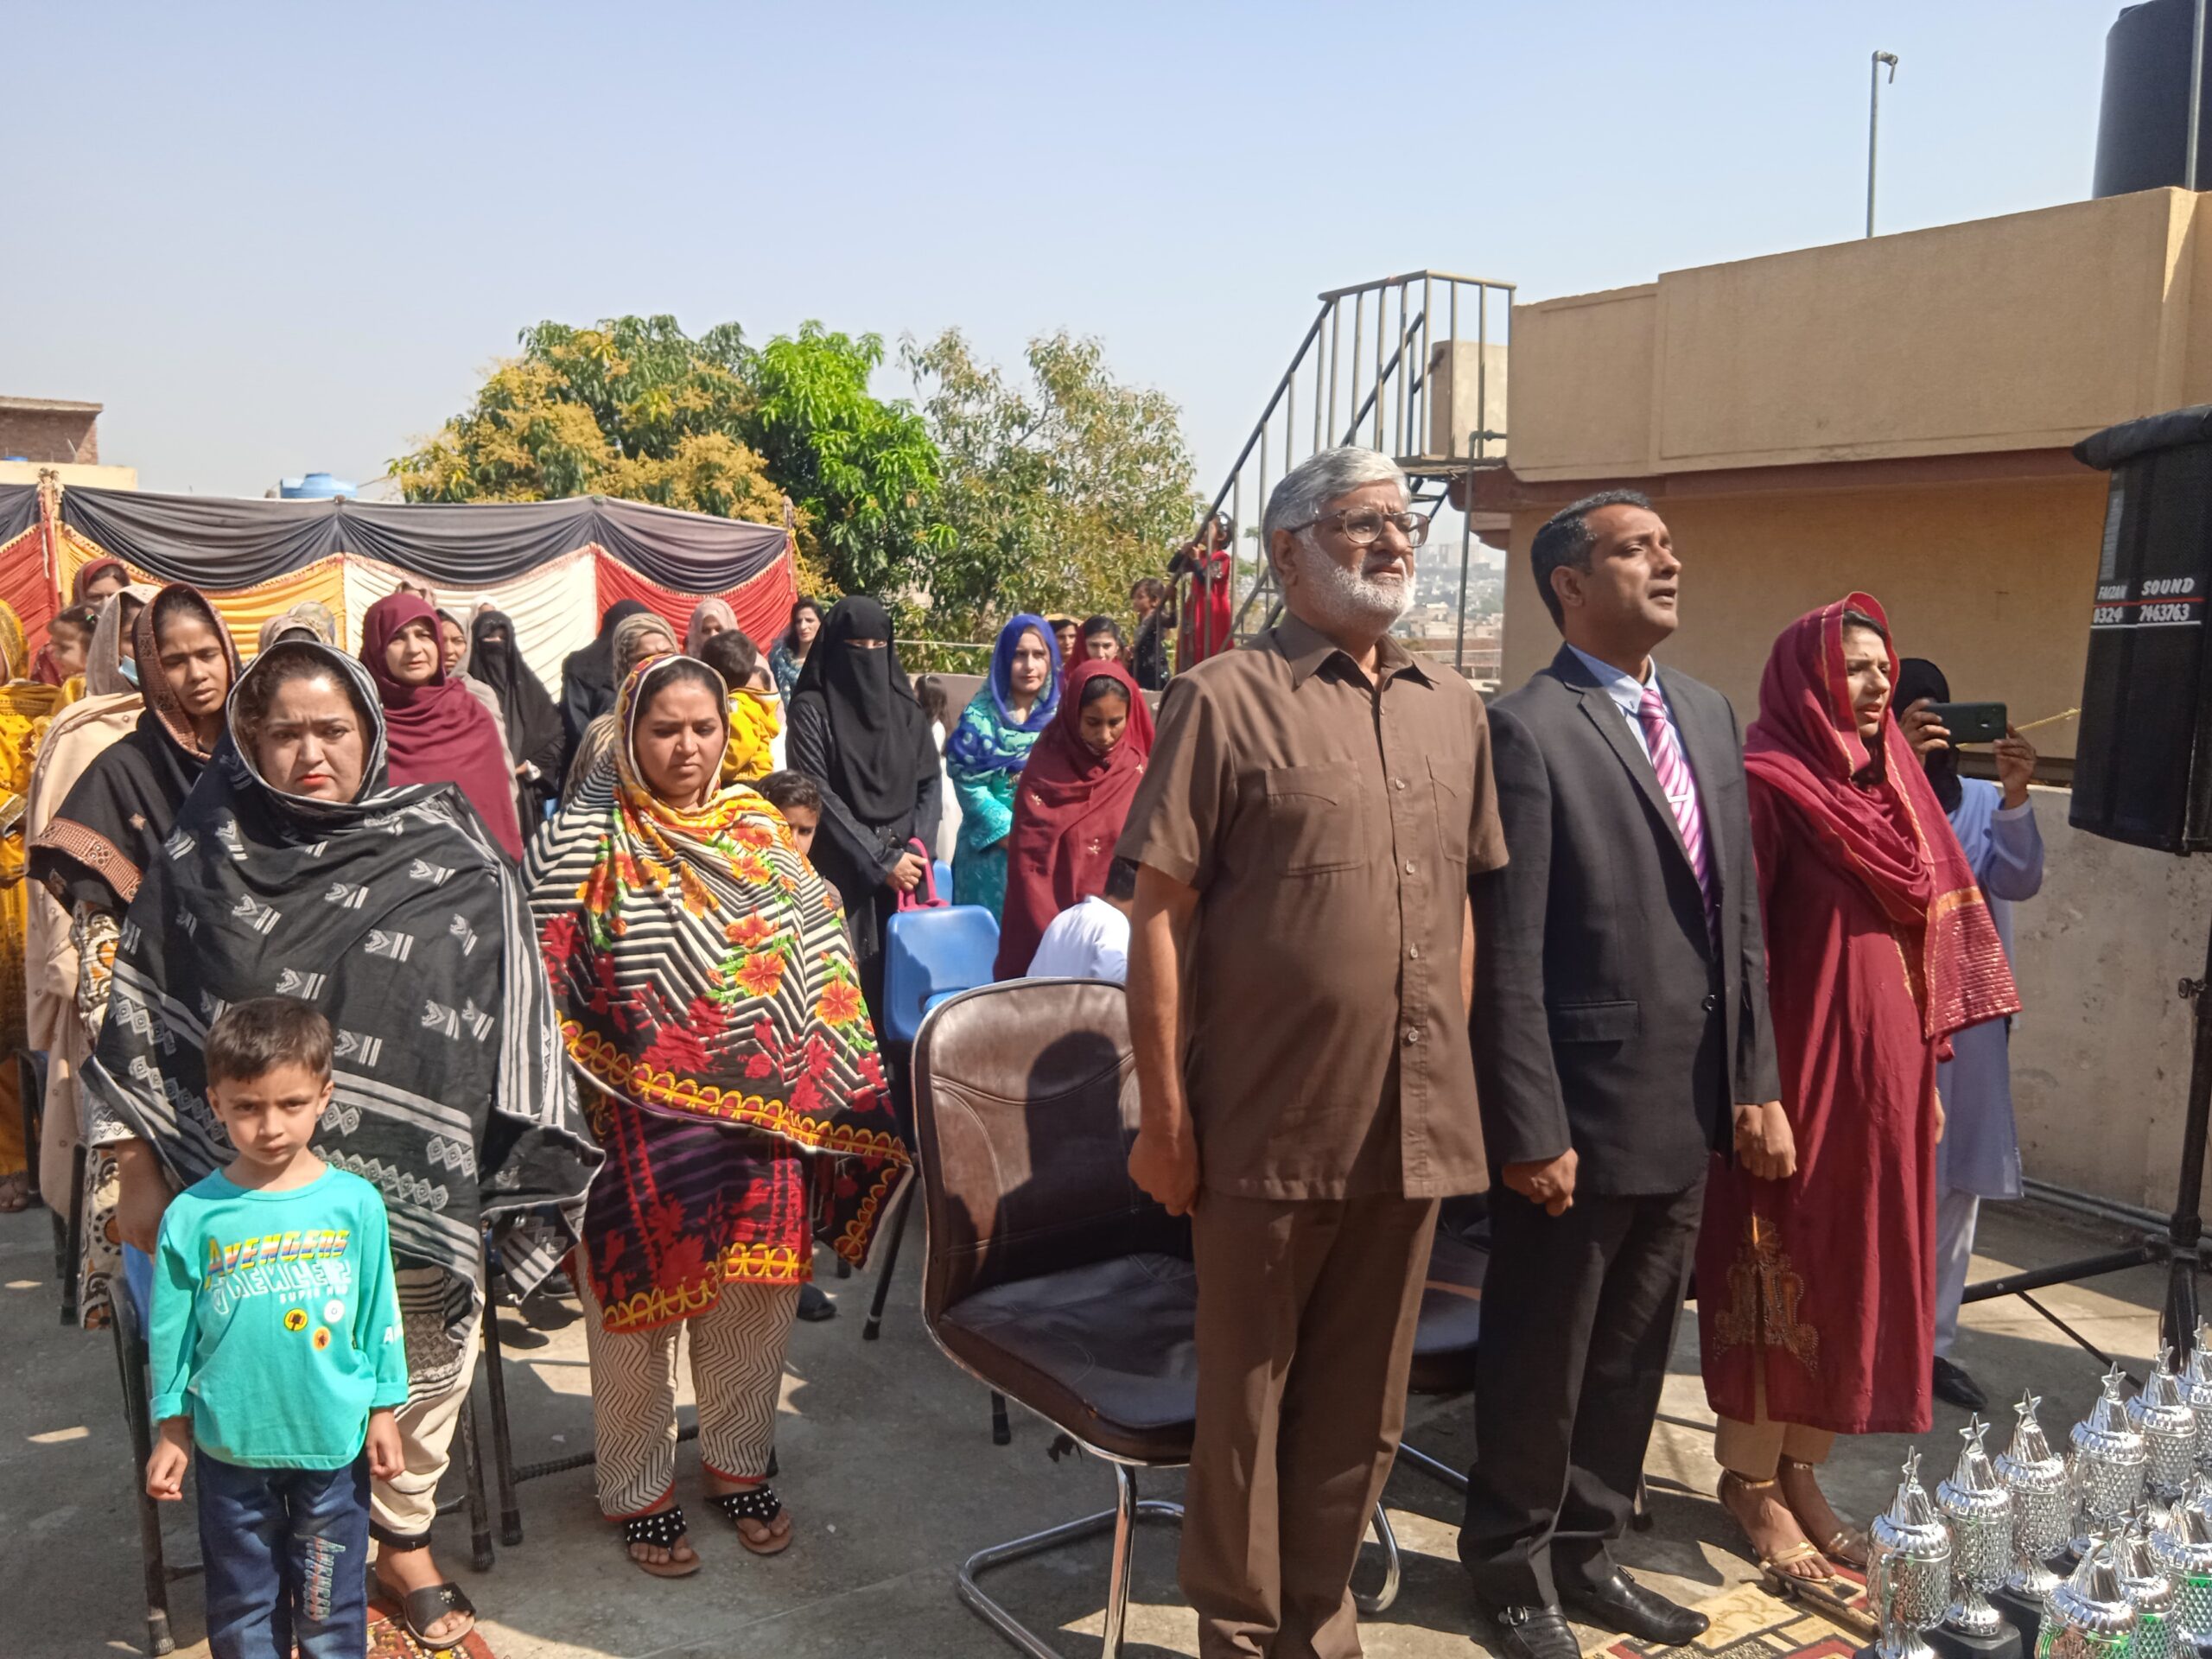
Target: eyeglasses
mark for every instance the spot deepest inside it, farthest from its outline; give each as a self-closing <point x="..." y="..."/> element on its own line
<point x="1363" y="527"/>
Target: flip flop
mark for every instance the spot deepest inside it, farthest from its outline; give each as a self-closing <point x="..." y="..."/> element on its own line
<point x="758" y="1503"/>
<point x="664" y="1529"/>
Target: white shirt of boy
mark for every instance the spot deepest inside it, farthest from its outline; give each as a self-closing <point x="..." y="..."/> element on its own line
<point x="1086" y="941"/>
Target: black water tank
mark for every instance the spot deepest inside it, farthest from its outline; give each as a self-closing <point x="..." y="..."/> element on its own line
<point x="2143" y="126"/>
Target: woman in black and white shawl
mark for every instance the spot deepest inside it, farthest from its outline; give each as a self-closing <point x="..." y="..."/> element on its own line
<point x="296" y="869"/>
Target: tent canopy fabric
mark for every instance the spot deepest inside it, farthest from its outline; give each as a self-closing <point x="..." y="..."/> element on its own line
<point x="18" y="510"/>
<point x="214" y="542"/>
<point x="552" y="566"/>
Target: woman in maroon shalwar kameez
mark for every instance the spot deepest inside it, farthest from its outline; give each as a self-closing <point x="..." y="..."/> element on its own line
<point x="1816" y="1293"/>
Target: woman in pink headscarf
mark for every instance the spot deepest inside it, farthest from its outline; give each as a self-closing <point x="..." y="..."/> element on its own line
<point x="437" y="732"/>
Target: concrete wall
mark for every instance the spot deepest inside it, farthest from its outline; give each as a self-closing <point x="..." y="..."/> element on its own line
<point x="1992" y="581"/>
<point x="101" y="478"/>
<point x="2100" y="1052"/>
<point x="2020" y="333"/>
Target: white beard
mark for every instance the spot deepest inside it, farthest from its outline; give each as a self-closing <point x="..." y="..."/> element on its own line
<point x="1348" y="598"/>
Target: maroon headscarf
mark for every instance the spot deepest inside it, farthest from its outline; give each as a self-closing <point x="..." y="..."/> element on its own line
<point x="1891" y="834"/>
<point x="1069" y="805"/>
<point x="438" y="732"/>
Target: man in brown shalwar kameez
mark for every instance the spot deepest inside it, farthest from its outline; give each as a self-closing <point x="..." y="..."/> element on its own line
<point x="1301" y="950"/>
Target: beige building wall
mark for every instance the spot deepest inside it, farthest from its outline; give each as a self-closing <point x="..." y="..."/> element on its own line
<point x="72" y="476"/>
<point x="2021" y="333"/>
<point x="2101" y="1051"/>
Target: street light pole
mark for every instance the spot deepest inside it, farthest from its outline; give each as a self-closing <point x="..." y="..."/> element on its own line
<point x="1874" y="122"/>
<point x="2196" y="98"/>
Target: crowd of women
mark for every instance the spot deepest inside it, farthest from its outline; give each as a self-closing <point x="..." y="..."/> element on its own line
<point x="597" y="987"/>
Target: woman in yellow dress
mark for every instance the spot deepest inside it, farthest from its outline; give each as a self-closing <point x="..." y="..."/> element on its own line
<point x="26" y="707"/>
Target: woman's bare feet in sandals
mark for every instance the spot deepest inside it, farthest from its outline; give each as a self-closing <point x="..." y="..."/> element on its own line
<point x="659" y="1544"/>
<point x="761" y="1537"/>
<point x="400" y="1572"/>
<point x="1777" y="1541"/>
<point x="1801" y="1490"/>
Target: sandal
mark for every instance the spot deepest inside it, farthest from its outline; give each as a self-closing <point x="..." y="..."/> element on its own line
<point x="759" y="1503"/>
<point x="420" y="1609"/>
<point x="1850" y="1544"/>
<point x="663" y="1530"/>
<point x="16" y="1192"/>
<point x="1777" y="1565"/>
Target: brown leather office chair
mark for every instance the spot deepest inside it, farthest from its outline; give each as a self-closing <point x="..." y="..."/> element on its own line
<point x="1049" y="1277"/>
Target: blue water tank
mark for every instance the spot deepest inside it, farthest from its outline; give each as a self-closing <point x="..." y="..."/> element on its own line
<point x="316" y="486"/>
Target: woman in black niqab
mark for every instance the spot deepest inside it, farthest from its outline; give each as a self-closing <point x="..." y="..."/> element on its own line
<point x="857" y="730"/>
<point x="535" y="745"/>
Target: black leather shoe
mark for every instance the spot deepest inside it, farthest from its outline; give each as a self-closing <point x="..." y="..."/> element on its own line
<point x="1530" y="1632"/>
<point x="1954" y="1385"/>
<point x="813" y="1305"/>
<point x="1621" y="1603"/>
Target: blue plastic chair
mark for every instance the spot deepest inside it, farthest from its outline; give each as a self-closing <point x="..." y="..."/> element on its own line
<point x="942" y="872"/>
<point x="931" y="955"/>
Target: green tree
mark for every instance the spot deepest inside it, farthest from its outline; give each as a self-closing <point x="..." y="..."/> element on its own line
<point x="634" y="407"/>
<point x="864" y="470"/>
<point x="1059" y="493"/>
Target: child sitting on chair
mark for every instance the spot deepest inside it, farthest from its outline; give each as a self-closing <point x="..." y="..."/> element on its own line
<point x="276" y="1352"/>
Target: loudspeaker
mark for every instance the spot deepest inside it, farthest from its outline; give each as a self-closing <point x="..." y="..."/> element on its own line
<point x="2143" y="768"/>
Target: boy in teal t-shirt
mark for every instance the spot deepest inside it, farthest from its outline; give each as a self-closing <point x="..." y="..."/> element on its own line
<point x="277" y="1350"/>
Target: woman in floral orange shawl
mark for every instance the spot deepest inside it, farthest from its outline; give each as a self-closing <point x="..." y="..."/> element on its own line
<point x="710" y="1004"/>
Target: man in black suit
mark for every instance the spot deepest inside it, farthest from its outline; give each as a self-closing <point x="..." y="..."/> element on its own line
<point x="1620" y="1036"/>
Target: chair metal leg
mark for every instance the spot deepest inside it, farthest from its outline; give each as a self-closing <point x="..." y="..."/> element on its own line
<point x="472" y="1469"/>
<point x="1392" y="1569"/>
<point x="1120" y="1520"/>
<point x="503" y="1449"/>
<point x="130" y="1356"/>
<point x="873" y="1328"/>
<point x="1117" y="1570"/>
<point x="1413" y="1457"/>
<point x="1001" y="1430"/>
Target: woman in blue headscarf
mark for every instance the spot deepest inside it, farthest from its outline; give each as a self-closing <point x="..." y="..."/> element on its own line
<point x="988" y="749"/>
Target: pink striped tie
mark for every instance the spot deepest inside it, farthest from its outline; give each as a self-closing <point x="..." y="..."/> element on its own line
<point x="1675" y="782"/>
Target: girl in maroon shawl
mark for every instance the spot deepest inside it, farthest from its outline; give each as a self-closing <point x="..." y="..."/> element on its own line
<point x="1070" y="803"/>
<point x="1816" y="1304"/>
<point x="437" y="732"/>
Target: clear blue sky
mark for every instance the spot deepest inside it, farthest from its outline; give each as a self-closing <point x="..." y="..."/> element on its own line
<point x="277" y="237"/>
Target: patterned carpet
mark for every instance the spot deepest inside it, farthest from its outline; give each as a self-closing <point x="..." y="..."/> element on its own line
<point x="387" y="1640"/>
<point x="1752" y="1622"/>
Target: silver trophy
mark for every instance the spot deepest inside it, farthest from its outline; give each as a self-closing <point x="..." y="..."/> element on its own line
<point x="2043" y="1504"/>
<point x="2148" y="1587"/>
<point x="2182" y="1545"/>
<point x="1909" y="1578"/>
<point x="2161" y="1414"/>
<point x="2108" y="1463"/>
<point x="2197" y="1388"/>
<point x="1979" y="1510"/>
<point x="2089" y="1615"/>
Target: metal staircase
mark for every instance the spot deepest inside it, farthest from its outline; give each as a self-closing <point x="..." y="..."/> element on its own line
<point x="1413" y="365"/>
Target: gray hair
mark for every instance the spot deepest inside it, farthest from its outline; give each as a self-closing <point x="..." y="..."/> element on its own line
<point x="1308" y="487"/>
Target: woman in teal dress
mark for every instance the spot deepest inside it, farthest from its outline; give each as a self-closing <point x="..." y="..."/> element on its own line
<point x="988" y="749"/>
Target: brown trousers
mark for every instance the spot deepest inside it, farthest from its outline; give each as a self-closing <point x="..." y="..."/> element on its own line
<point x="1307" y="1313"/>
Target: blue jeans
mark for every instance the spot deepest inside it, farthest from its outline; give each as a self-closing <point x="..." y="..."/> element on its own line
<point x="287" y="1558"/>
